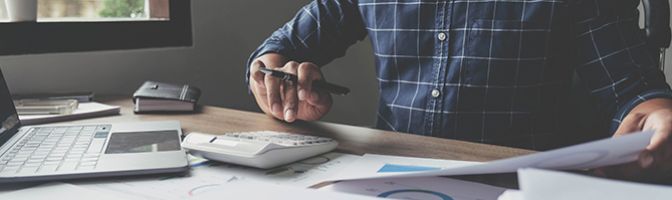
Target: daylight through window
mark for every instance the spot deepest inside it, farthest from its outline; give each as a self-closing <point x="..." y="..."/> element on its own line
<point x="98" y="10"/>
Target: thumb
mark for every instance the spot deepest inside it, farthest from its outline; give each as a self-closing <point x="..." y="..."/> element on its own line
<point x="631" y="123"/>
<point x="256" y="75"/>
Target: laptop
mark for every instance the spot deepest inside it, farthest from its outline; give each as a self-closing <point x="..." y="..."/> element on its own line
<point x="57" y="152"/>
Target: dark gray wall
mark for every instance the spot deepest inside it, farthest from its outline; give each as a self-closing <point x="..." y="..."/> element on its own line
<point x="225" y="33"/>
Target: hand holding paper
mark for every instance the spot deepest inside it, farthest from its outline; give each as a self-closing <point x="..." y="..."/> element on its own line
<point x="590" y="155"/>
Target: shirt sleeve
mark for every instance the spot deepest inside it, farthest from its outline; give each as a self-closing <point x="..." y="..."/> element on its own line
<point x="614" y="62"/>
<point x="320" y="32"/>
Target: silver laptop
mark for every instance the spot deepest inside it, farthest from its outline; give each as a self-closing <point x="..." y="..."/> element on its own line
<point x="56" y="152"/>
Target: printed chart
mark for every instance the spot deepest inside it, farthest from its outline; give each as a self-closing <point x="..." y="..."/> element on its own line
<point x="426" y="188"/>
<point x="207" y="175"/>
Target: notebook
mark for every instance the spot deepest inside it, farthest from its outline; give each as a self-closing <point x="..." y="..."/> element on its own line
<point x="165" y="97"/>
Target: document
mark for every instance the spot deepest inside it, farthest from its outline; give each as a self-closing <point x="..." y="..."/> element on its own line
<point x="262" y="191"/>
<point x="199" y="180"/>
<point x="373" y="164"/>
<point x="205" y="176"/>
<point x="303" y="173"/>
<point x="538" y="184"/>
<point x="511" y="195"/>
<point x="85" y="110"/>
<point x="418" y="188"/>
<point x="595" y="154"/>
<point x="59" y="191"/>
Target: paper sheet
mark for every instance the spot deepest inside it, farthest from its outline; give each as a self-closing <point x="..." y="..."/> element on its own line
<point x="263" y="191"/>
<point x="600" y="153"/>
<point x="303" y="173"/>
<point x="84" y="110"/>
<point x="199" y="180"/>
<point x="59" y="190"/>
<point x="511" y="195"/>
<point x="538" y="184"/>
<point x="204" y="176"/>
<point x="428" y="188"/>
<point x="373" y="164"/>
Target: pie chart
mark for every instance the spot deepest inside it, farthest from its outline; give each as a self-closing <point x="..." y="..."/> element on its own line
<point x="415" y="194"/>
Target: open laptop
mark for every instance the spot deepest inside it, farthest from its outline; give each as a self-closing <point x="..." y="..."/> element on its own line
<point x="56" y="152"/>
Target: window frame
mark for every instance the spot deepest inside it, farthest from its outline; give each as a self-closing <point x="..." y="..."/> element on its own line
<point x="18" y="38"/>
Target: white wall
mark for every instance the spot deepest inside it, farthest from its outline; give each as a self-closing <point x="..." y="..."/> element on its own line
<point x="225" y="33"/>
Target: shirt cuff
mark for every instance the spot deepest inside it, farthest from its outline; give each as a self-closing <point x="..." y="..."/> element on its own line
<point x="645" y="96"/>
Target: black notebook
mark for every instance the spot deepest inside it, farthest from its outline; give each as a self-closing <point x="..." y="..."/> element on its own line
<point x="164" y="97"/>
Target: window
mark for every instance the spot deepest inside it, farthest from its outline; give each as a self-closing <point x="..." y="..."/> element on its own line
<point x="97" y="10"/>
<point x="90" y="25"/>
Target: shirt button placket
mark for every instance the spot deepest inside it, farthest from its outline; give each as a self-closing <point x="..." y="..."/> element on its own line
<point x="442" y="36"/>
<point x="436" y="93"/>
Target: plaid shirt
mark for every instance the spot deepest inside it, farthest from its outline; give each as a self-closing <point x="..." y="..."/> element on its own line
<point x="490" y="71"/>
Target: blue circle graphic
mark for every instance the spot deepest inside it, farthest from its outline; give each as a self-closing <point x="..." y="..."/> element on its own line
<point x="438" y="194"/>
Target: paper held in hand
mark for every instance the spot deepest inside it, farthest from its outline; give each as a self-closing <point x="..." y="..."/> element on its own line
<point x="589" y="155"/>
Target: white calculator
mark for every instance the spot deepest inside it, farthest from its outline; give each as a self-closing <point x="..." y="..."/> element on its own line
<point x="262" y="149"/>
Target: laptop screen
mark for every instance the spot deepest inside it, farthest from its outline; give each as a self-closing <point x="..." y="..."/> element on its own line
<point x="8" y="118"/>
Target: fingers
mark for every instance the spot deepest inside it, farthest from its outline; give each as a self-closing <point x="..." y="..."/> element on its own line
<point x="658" y="156"/>
<point x="654" y="161"/>
<point x="273" y="96"/>
<point x="659" y="149"/>
<point x="290" y="97"/>
<point x="631" y="123"/>
<point x="307" y="73"/>
<point x="660" y="139"/>
<point x="257" y="78"/>
<point x="287" y="100"/>
<point x="645" y="160"/>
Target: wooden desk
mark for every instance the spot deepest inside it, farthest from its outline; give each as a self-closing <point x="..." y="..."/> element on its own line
<point x="354" y="140"/>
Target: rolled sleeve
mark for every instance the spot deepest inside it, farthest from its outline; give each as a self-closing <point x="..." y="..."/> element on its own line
<point x="320" y="32"/>
<point x="615" y="63"/>
<point x="645" y="96"/>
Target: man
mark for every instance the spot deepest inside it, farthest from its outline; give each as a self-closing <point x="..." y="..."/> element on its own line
<point x="488" y="71"/>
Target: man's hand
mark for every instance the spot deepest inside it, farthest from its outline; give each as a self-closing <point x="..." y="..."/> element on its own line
<point x="655" y="162"/>
<point x="284" y="100"/>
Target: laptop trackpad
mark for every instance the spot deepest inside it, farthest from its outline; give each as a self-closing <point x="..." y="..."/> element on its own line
<point x="143" y="142"/>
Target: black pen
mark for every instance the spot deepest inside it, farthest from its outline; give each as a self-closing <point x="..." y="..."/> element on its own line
<point x="318" y="84"/>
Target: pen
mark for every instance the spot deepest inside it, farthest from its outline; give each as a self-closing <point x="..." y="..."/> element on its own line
<point x="319" y="84"/>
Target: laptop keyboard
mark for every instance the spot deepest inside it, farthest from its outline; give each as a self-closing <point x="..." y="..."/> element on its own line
<point x="56" y="149"/>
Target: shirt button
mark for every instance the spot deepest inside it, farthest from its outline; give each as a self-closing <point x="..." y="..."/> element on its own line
<point x="436" y="93"/>
<point x="442" y="36"/>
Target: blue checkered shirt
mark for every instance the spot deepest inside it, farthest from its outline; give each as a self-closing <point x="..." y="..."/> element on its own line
<point x="490" y="71"/>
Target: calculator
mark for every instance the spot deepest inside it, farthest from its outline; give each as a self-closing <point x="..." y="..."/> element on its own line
<point x="260" y="149"/>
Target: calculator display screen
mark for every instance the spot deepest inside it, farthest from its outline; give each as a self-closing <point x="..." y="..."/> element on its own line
<point x="143" y="142"/>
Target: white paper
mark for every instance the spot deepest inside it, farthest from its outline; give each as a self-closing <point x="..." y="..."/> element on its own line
<point x="550" y="185"/>
<point x="205" y="176"/>
<point x="428" y="188"/>
<point x="199" y="180"/>
<point x="84" y="110"/>
<point x="59" y="191"/>
<point x="253" y="190"/>
<point x="511" y="195"/>
<point x="595" y="154"/>
<point x="371" y="164"/>
<point x="303" y="173"/>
